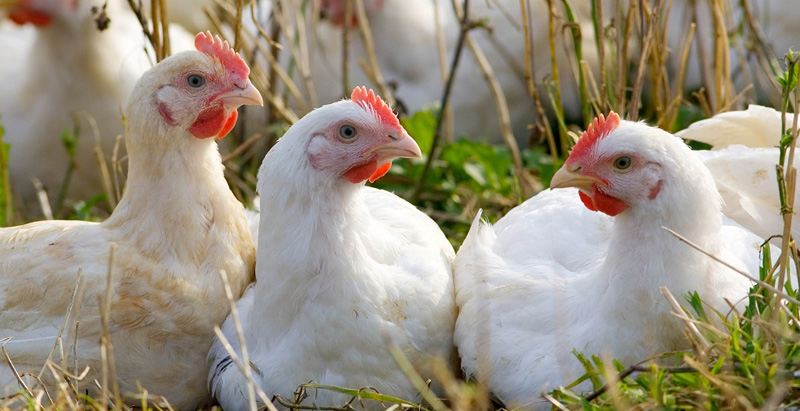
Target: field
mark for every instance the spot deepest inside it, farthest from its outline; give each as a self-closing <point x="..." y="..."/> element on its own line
<point x="741" y="360"/>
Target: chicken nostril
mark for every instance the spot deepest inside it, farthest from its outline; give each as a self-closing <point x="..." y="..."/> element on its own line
<point x="394" y="136"/>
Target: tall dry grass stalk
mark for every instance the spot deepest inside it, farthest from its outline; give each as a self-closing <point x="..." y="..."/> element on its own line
<point x="500" y="103"/>
<point x="109" y="370"/>
<point x="155" y="25"/>
<point x="533" y="91"/>
<point x="464" y="28"/>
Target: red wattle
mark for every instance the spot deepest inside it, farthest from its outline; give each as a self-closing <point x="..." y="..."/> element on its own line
<point x="229" y="124"/>
<point x="209" y="123"/>
<point x="604" y="203"/>
<point x="587" y="201"/>
<point x="380" y="172"/>
<point x="23" y="15"/>
<point x="609" y="205"/>
<point x="360" y="173"/>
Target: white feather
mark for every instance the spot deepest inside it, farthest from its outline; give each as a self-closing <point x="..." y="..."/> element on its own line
<point x="175" y="229"/>
<point x="342" y="271"/>
<point x="552" y="277"/>
<point x="743" y="162"/>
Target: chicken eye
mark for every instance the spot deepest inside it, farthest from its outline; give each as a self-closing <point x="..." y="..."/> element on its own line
<point x="195" y="81"/>
<point x="347" y="132"/>
<point x="622" y="163"/>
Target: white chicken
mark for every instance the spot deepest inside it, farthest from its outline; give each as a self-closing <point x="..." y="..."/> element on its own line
<point x="67" y="72"/>
<point x="404" y="33"/>
<point x="341" y="268"/>
<point x="552" y="276"/>
<point x="758" y="126"/>
<point x="777" y="27"/>
<point x="176" y="228"/>
<point x="743" y="163"/>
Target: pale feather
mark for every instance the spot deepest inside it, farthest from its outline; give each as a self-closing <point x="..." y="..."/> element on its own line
<point x="743" y="163"/>
<point x="538" y="285"/>
<point x="342" y="269"/>
<point x="176" y="228"/>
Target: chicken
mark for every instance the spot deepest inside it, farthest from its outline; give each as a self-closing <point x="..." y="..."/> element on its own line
<point x="176" y="228"/>
<point x="63" y="74"/>
<point x="341" y="268"/>
<point x="552" y="276"/>
<point x="404" y="33"/>
<point x="777" y="27"/>
<point x="743" y="164"/>
<point x="758" y="126"/>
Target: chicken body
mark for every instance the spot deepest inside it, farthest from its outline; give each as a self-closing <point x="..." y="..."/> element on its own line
<point x="743" y="161"/>
<point x="175" y="229"/>
<point x="552" y="276"/>
<point x="343" y="270"/>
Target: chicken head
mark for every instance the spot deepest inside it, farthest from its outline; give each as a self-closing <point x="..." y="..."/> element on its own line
<point x="359" y="138"/>
<point x="612" y="171"/>
<point x="200" y="92"/>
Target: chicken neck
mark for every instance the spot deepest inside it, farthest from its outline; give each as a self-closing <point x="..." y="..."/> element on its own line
<point x="643" y="256"/>
<point x="316" y="240"/>
<point x="182" y="188"/>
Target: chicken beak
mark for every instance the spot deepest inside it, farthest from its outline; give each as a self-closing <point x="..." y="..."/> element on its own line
<point x="569" y="175"/>
<point x="399" y="145"/>
<point x="242" y="96"/>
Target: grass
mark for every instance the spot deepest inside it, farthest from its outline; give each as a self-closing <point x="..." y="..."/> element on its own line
<point x="739" y="360"/>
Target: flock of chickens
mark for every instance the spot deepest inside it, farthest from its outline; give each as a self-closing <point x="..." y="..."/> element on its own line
<point x="343" y="272"/>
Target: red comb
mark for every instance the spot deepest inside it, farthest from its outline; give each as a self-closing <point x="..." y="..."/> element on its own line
<point x="371" y="100"/>
<point x="215" y="47"/>
<point x="599" y="128"/>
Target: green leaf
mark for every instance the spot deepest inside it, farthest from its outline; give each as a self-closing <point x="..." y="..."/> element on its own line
<point x="697" y="305"/>
<point x="477" y="172"/>
<point x="787" y="77"/>
<point x="421" y="126"/>
<point x="365" y="394"/>
<point x="543" y="163"/>
<point x="70" y="142"/>
<point x="6" y="201"/>
<point x="83" y="209"/>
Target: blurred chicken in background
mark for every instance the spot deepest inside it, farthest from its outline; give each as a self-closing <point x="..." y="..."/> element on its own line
<point x="68" y="66"/>
<point x="414" y="43"/>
